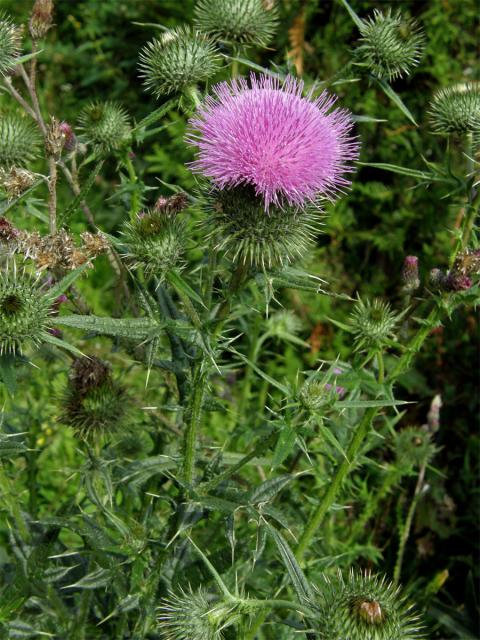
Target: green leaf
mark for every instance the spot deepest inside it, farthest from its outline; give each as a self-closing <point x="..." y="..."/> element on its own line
<point x="265" y="376"/>
<point x="284" y="446"/>
<point x="267" y="490"/>
<point x="76" y="202"/>
<point x="95" y="580"/>
<point x="394" y="97"/>
<point x="405" y="171"/>
<point x="65" y="282"/>
<point x="9" y="204"/>
<point x="7" y="373"/>
<point x="152" y="118"/>
<point x="178" y="283"/>
<point x="9" y="447"/>
<point x="134" y="328"/>
<point x="47" y="337"/>
<point x="366" y="404"/>
<point x="356" y="18"/>
<point x="300" y="583"/>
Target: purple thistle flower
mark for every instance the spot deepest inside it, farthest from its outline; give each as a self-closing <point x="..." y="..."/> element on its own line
<point x="292" y="149"/>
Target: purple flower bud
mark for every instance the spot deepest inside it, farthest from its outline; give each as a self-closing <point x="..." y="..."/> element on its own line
<point x="61" y="298"/>
<point x="410" y="278"/>
<point x="436" y="278"/>
<point x="56" y="333"/>
<point x="457" y="282"/>
<point x="70" y="139"/>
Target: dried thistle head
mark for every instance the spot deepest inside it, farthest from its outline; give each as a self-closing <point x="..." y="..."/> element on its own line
<point x="10" y="43"/>
<point x="241" y="22"/>
<point x="391" y="45"/>
<point x="41" y="19"/>
<point x="177" y="60"/>
<point x="240" y="227"/>
<point x="362" y="606"/>
<point x="55" y="138"/>
<point x="16" y="181"/>
<point x="8" y="233"/>
<point x="19" y="141"/>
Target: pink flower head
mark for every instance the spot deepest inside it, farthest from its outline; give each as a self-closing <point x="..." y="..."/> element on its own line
<point x="292" y="149"/>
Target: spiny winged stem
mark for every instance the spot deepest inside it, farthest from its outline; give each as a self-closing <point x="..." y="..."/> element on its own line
<point x="135" y="200"/>
<point x="52" y="191"/>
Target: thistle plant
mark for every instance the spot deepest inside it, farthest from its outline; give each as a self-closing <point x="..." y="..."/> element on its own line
<point x="210" y="339"/>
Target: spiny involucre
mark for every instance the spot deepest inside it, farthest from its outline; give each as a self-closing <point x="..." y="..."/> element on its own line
<point x="105" y="125"/>
<point x="361" y="606"/>
<point x="242" y="22"/>
<point x="10" y="40"/>
<point x="180" y="58"/>
<point x="291" y="148"/>
<point x="457" y="110"/>
<point x="391" y="45"/>
<point x="19" y="141"/>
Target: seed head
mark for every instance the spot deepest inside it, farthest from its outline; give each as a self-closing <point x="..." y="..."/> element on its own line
<point x="291" y="149"/>
<point x="456" y="109"/>
<point x="19" y="141"/>
<point x="41" y="19"/>
<point x="10" y="43"/>
<point x="391" y="45"/>
<point x="106" y="126"/>
<point x="362" y="606"/>
<point x="241" y="22"/>
<point x="55" y="139"/>
<point x="15" y="181"/>
<point x="239" y="227"/>
<point x="178" y="59"/>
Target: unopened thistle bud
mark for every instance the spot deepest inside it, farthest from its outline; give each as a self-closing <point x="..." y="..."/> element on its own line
<point x="15" y="181"/>
<point x="10" y="42"/>
<point x="364" y="607"/>
<point x="414" y="447"/>
<point x="242" y="22"/>
<point x="436" y="278"/>
<point x="391" y="45"/>
<point x="177" y="60"/>
<point x="19" y="141"/>
<point x="410" y="277"/>
<point x="25" y="311"/>
<point x="155" y="242"/>
<point x="241" y="229"/>
<point x="191" y="615"/>
<point x="94" y="403"/>
<point x="456" y="282"/>
<point x="456" y="109"/>
<point x="41" y="18"/>
<point x="373" y="324"/>
<point x="106" y="126"/>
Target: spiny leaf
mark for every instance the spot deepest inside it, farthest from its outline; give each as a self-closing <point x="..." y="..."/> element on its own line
<point x="134" y="328"/>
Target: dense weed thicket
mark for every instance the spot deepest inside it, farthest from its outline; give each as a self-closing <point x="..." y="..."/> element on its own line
<point x="238" y="342"/>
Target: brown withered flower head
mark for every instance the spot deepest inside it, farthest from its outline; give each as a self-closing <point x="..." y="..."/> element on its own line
<point x="15" y="181"/>
<point x="171" y="204"/>
<point x="41" y="19"/>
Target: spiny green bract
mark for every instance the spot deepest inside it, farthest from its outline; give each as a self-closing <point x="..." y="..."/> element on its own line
<point x="189" y="615"/>
<point x="155" y="242"/>
<point x="94" y="404"/>
<point x="240" y="227"/>
<point x="413" y="446"/>
<point x="456" y="109"/>
<point x="178" y="59"/>
<point x="246" y="22"/>
<point x="10" y="40"/>
<point x="391" y="45"/>
<point x="373" y="323"/>
<point x="19" y="141"/>
<point x="105" y="125"/>
<point x="362" y="606"/>
<point x="24" y="311"/>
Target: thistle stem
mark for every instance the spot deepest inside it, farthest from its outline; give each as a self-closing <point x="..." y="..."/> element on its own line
<point x="381" y="367"/>
<point x="135" y="199"/>
<point x="194" y="415"/>
<point x="52" y="194"/>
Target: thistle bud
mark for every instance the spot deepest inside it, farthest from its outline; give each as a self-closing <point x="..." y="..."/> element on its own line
<point x="24" y="312"/>
<point x="361" y="606"/>
<point x="16" y="181"/>
<point x="94" y="403"/>
<point x="241" y="22"/>
<point x="456" y="109"/>
<point x="69" y="137"/>
<point x="40" y="19"/>
<point x="410" y="278"/>
<point x="54" y="139"/>
<point x="10" y="42"/>
<point x="239" y="227"/>
<point x="106" y="126"/>
<point x="155" y="242"/>
<point x="19" y="141"/>
<point x="177" y="60"/>
<point x="373" y="324"/>
<point x="457" y="282"/>
<point x="391" y="45"/>
<point x="436" y="278"/>
<point x="413" y="446"/>
<point x="190" y="614"/>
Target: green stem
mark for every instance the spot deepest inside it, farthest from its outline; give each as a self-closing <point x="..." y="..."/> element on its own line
<point x="381" y="367"/>
<point x="135" y="200"/>
<point x="194" y="415"/>
<point x="192" y="91"/>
